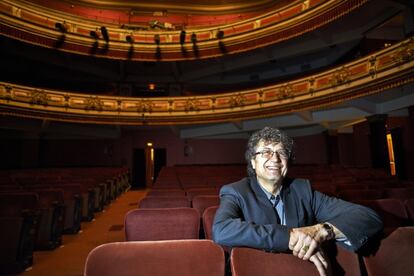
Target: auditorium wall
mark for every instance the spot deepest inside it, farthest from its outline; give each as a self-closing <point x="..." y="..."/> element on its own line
<point x="28" y="150"/>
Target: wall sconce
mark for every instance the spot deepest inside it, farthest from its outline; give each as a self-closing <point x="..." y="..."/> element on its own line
<point x="105" y="34"/>
<point x="220" y="34"/>
<point x="94" y="34"/>
<point x="182" y="37"/>
<point x="129" y="39"/>
<point x="157" y="39"/>
<point x="193" y="38"/>
<point x="61" y="27"/>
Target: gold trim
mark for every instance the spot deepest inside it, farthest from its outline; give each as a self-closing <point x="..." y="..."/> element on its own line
<point x="180" y="8"/>
<point x="324" y="89"/>
<point x="36" y="25"/>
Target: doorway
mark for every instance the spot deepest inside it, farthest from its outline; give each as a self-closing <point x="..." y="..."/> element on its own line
<point x="139" y="166"/>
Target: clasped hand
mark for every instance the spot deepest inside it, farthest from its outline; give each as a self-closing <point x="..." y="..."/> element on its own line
<point x="305" y="244"/>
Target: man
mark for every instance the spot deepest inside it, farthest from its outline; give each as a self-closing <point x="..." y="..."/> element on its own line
<point x="269" y="211"/>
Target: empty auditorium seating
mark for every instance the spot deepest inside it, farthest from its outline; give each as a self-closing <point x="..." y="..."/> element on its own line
<point x="409" y="206"/>
<point x="18" y="220"/>
<point x="192" y="192"/>
<point x="394" y="255"/>
<point x="400" y="193"/>
<point x="162" y="224"/>
<point x="392" y="211"/>
<point x="165" y="192"/>
<point x="249" y="261"/>
<point x="354" y="195"/>
<point x="151" y="258"/>
<point x="164" y="202"/>
<point x="202" y="202"/>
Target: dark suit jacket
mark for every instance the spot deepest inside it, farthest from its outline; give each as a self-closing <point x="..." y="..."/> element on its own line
<point x="247" y="218"/>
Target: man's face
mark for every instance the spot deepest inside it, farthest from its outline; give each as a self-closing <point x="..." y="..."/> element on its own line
<point x="270" y="167"/>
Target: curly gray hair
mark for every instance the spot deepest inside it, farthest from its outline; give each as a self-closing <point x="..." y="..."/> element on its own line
<point x="268" y="135"/>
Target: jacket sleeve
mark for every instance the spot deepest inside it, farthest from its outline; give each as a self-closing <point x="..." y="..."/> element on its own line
<point x="356" y="222"/>
<point x="232" y="230"/>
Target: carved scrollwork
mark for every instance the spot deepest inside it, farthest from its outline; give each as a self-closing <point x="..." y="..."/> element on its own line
<point x="237" y="100"/>
<point x="405" y="52"/>
<point x="145" y="106"/>
<point x="311" y="85"/>
<point x="39" y="97"/>
<point x="372" y="66"/>
<point x="192" y="105"/>
<point x="94" y="103"/>
<point x="6" y="92"/>
<point x="285" y="91"/>
<point x="340" y="76"/>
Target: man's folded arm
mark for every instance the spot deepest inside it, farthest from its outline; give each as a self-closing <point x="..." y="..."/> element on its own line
<point x="230" y="230"/>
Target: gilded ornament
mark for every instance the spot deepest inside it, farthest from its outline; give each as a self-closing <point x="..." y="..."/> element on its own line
<point x="145" y="106"/>
<point x="119" y="108"/>
<point x="340" y="76"/>
<point x="237" y="100"/>
<point x="7" y="92"/>
<point x="285" y="91"/>
<point x="192" y="105"/>
<point x="94" y="103"/>
<point x="311" y="85"/>
<point x="39" y="97"/>
<point x="405" y="52"/>
<point x="372" y="70"/>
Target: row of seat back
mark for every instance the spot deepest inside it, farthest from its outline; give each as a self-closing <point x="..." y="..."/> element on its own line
<point x="393" y="257"/>
<point x="189" y="193"/>
<point x="173" y="258"/>
<point x="394" y="212"/>
<point x="49" y="214"/>
<point x="199" y="202"/>
<point x="36" y="211"/>
<point x="19" y="224"/>
<point x="162" y="224"/>
<point x="204" y="258"/>
<point x="152" y="224"/>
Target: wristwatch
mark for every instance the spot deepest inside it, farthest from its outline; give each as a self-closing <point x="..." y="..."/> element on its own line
<point x="330" y="230"/>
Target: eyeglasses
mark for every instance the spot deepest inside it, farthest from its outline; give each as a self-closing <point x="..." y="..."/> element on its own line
<point x="268" y="153"/>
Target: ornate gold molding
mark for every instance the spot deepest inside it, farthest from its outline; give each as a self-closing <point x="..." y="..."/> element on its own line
<point x="388" y="68"/>
<point x="33" y="24"/>
<point x="231" y="7"/>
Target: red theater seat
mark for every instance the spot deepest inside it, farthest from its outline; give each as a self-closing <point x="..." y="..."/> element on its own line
<point x="164" y="202"/>
<point x="409" y="206"/>
<point x="208" y="219"/>
<point x="249" y="261"/>
<point x="394" y="256"/>
<point x="162" y="224"/>
<point x="156" y="258"/>
<point x="165" y="192"/>
<point x="392" y="211"/>
<point x="202" y="202"/>
<point x="399" y="193"/>
<point x="355" y="195"/>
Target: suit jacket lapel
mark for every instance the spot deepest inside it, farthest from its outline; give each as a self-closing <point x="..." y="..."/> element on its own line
<point x="267" y="211"/>
<point x="289" y="202"/>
